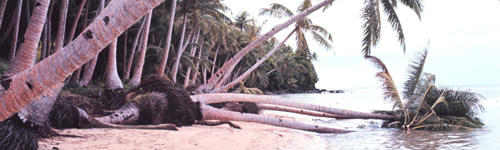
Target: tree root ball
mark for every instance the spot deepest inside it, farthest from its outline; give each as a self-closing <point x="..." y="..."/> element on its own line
<point x="181" y="109"/>
<point x="16" y="135"/>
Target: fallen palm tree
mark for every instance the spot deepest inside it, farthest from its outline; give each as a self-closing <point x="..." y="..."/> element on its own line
<point x="427" y="106"/>
<point x="157" y="101"/>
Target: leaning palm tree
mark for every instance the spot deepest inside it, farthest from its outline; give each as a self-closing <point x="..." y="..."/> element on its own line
<point x="226" y="70"/>
<point x="321" y="35"/>
<point x="24" y="87"/>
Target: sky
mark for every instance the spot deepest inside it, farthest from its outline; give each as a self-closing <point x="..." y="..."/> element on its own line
<point x="463" y="38"/>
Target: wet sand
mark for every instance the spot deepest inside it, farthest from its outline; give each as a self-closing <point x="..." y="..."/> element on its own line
<point x="251" y="136"/>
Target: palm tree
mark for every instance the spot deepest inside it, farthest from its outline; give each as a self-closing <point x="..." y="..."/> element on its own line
<point x="242" y="19"/>
<point x="225" y="71"/>
<point x="442" y="108"/>
<point x="136" y="78"/>
<point x="13" y="45"/>
<point x="112" y="79"/>
<point x="90" y="67"/>
<point x="164" y="57"/>
<point x="3" y="4"/>
<point x="371" y="15"/>
<point x="59" y="43"/>
<point x="319" y="33"/>
<point x="33" y="82"/>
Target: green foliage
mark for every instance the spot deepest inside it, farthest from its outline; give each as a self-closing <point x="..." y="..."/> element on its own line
<point x="432" y="108"/>
<point x="93" y="89"/>
<point x="3" y="65"/>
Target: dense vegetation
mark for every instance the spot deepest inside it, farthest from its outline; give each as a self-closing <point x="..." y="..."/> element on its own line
<point x="221" y="37"/>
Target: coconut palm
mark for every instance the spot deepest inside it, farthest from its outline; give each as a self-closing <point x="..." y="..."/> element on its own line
<point x="3" y="5"/>
<point x="35" y="81"/>
<point x="372" y="23"/>
<point x="136" y="78"/>
<point x="225" y="71"/>
<point x="164" y="57"/>
<point x="429" y="107"/>
<point x="90" y="67"/>
<point x="15" y="34"/>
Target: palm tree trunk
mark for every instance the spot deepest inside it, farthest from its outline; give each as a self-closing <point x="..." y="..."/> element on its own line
<point x="231" y="97"/>
<point x="15" y="34"/>
<point x="132" y="51"/>
<point x="112" y="79"/>
<point x="196" y="69"/>
<point x="192" y="53"/>
<point x="210" y="113"/>
<point x="223" y="73"/>
<point x="49" y="30"/>
<point x="75" y="21"/>
<point x="36" y="112"/>
<point x="44" y="42"/>
<point x="3" y="5"/>
<point x="136" y="78"/>
<point x="23" y="88"/>
<point x="300" y="111"/>
<point x="62" y="26"/>
<point x="180" y="51"/>
<point x="255" y="66"/>
<point x="125" y="53"/>
<point x="28" y="49"/>
<point x="78" y="72"/>
<point x="215" y="58"/>
<point x="164" y="58"/>
<point x="90" y="67"/>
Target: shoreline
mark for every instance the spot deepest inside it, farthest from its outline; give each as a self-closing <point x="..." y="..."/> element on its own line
<point x="251" y="136"/>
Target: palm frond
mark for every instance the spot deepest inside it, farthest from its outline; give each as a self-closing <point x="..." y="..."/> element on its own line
<point x="321" y="40"/>
<point x="304" y="5"/>
<point x="371" y="26"/>
<point x="390" y="90"/>
<point x="459" y="103"/>
<point x="393" y="19"/>
<point x="322" y="31"/>
<point x="415" y="75"/>
<point x="415" y="5"/>
<point x="378" y="63"/>
<point x="277" y="10"/>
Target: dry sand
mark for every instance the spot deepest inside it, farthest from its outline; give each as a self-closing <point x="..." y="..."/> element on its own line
<point x="251" y="136"/>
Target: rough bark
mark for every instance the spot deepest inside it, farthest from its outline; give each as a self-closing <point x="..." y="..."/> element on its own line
<point x="61" y="29"/>
<point x="132" y="51"/>
<point x="90" y="67"/>
<point x="28" y="49"/>
<point x="25" y="87"/>
<point x="112" y="79"/>
<point x="75" y="21"/>
<point x="230" y="97"/>
<point x="164" y="57"/>
<point x="136" y="78"/>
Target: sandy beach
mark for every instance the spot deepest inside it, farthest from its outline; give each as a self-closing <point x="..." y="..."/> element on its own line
<point x="251" y="136"/>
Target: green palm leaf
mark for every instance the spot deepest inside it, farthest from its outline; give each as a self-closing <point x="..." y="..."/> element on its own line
<point x="371" y="26"/>
<point x="393" y="19"/>
<point x="415" y="74"/>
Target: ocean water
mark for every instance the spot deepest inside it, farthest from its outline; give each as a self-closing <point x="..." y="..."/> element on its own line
<point x="369" y="135"/>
